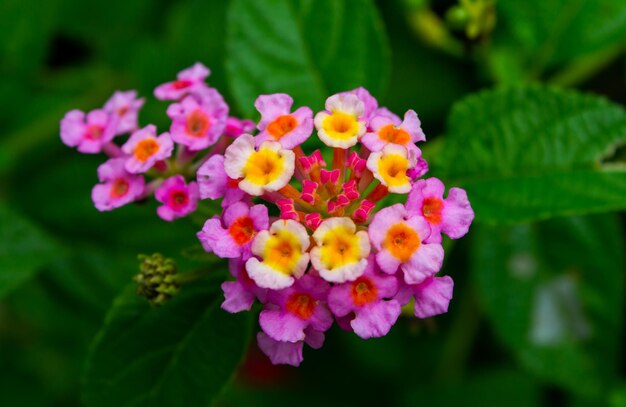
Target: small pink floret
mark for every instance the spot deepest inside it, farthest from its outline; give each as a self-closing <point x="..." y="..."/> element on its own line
<point x="179" y="199"/>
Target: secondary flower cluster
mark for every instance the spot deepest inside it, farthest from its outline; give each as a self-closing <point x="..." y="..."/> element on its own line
<point x="147" y="163"/>
<point x="330" y="254"/>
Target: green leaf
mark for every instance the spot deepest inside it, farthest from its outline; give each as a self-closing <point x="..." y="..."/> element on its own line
<point x="309" y="49"/>
<point x="540" y="35"/>
<point x="532" y="153"/>
<point x="24" y="249"/>
<point x="554" y="293"/>
<point x="182" y="353"/>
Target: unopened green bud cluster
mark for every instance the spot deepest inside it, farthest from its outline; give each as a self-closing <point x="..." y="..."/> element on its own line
<point x="157" y="280"/>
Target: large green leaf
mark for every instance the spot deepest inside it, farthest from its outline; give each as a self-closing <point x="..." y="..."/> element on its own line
<point x="533" y="153"/>
<point x="538" y="35"/>
<point x="553" y="292"/>
<point x="309" y="49"/>
<point x="180" y="354"/>
<point x="24" y="249"/>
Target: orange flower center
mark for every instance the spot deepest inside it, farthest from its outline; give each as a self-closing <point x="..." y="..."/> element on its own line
<point x="301" y="305"/>
<point x="281" y="126"/>
<point x="401" y="241"/>
<point x="432" y="210"/>
<point x="242" y="230"/>
<point x="363" y="291"/>
<point x="391" y="134"/>
<point x="198" y="123"/>
<point x="146" y="148"/>
<point x="119" y="188"/>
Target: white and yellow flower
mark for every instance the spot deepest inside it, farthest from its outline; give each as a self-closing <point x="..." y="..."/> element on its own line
<point x="341" y="125"/>
<point x="283" y="254"/>
<point x="390" y="167"/>
<point x="341" y="252"/>
<point x="268" y="168"/>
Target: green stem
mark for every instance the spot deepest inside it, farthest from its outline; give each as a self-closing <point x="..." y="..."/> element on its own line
<point x="583" y="68"/>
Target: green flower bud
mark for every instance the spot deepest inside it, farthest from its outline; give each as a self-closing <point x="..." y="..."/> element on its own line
<point x="157" y="280"/>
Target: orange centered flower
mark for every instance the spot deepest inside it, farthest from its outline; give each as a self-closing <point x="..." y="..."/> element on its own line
<point x="119" y="188"/>
<point x="281" y="126"/>
<point x="401" y="241"/>
<point x="122" y="111"/>
<point x="146" y="148"/>
<point x="198" y="123"/>
<point x="242" y="230"/>
<point x="432" y="210"/>
<point x="94" y="132"/>
<point x="391" y="134"/>
<point x="363" y="291"/>
<point x="302" y="305"/>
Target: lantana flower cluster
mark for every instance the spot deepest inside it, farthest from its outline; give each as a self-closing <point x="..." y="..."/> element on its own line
<point x="144" y="161"/>
<point x="308" y="236"/>
<point x="334" y="252"/>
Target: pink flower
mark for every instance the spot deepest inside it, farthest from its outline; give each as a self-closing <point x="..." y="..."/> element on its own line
<point x="88" y="133"/>
<point x="199" y="120"/>
<point x="452" y="216"/>
<point x="289" y="353"/>
<point x="188" y="80"/>
<point x="401" y="241"/>
<point x="369" y="297"/>
<point x="179" y="198"/>
<point x="236" y="127"/>
<point x="370" y="104"/>
<point x="384" y="132"/>
<point x="239" y="295"/>
<point x="118" y="187"/>
<point x="145" y="148"/>
<point x="279" y="124"/>
<point x="240" y="225"/>
<point x="214" y="183"/>
<point x="290" y="311"/>
<point x="125" y="107"/>
<point x="432" y="296"/>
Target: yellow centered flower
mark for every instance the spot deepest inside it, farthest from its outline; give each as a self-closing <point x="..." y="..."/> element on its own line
<point x="340" y="252"/>
<point x="282" y="253"/>
<point x="268" y="169"/>
<point x="390" y="166"/>
<point x="341" y="128"/>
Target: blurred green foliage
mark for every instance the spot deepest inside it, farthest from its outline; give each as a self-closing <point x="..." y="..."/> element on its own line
<point x="538" y="312"/>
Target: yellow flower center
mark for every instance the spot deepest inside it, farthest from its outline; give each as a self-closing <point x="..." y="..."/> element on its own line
<point x="282" y="252"/>
<point x="264" y="166"/>
<point x="401" y="241"/>
<point x="340" y="247"/>
<point x="341" y="126"/>
<point x="392" y="168"/>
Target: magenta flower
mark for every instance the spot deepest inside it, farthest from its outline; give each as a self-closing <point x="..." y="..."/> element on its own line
<point x="278" y="123"/>
<point x="179" y="198"/>
<point x="125" y="107"/>
<point x="214" y="183"/>
<point x="236" y="127"/>
<point x="239" y="295"/>
<point x="145" y="149"/>
<point x="290" y="311"/>
<point x="370" y="298"/>
<point x="231" y="236"/>
<point x="401" y="242"/>
<point x="452" y="216"/>
<point x="88" y="133"/>
<point x="198" y="121"/>
<point x="385" y="131"/>
<point x="118" y="187"/>
<point x="289" y="353"/>
<point x="432" y="296"/>
<point x="187" y="81"/>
